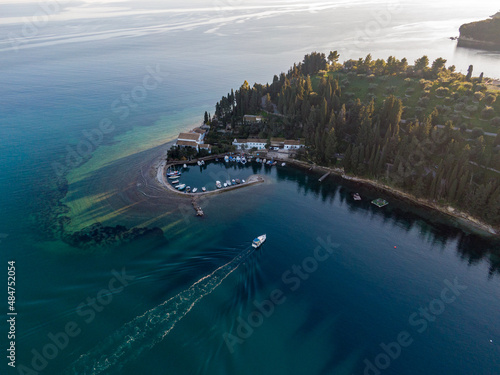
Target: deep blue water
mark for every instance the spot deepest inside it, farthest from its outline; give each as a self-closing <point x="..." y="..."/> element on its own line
<point x="385" y="264"/>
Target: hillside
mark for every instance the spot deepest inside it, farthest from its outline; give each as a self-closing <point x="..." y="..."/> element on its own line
<point x="481" y="34"/>
<point x="417" y="128"/>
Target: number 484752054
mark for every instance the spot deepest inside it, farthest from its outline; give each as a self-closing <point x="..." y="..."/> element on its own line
<point x="11" y="285"/>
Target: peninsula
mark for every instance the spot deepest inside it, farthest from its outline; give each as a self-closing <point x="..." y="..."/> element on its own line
<point x="422" y="130"/>
<point x="482" y="34"/>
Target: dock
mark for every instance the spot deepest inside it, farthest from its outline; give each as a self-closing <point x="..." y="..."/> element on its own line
<point x="197" y="208"/>
<point x="324" y="176"/>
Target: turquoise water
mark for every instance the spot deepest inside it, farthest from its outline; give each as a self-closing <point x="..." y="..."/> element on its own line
<point x="385" y="264"/>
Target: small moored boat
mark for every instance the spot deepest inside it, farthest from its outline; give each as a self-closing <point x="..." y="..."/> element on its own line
<point x="356" y="197"/>
<point x="181" y="187"/>
<point x="218" y="184"/>
<point x="258" y="241"/>
<point x="203" y="189"/>
<point x="195" y="190"/>
<point x="175" y="182"/>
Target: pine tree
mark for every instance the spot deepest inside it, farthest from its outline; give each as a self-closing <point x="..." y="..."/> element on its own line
<point x="347" y="162"/>
<point x="331" y="146"/>
<point x="453" y="190"/>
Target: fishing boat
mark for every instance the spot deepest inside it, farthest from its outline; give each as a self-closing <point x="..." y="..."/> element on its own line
<point x="226" y="158"/>
<point x="243" y="181"/>
<point x="188" y="189"/>
<point x="198" y="162"/>
<point x="356" y="197"/>
<point x="218" y="184"/>
<point x="243" y="160"/>
<point x="257" y="160"/>
<point x="173" y="173"/>
<point x="233" y="182"/>
<point x="238" y="159"/>
<point x="225" y="184"/>
<point x="203" y="189"/>
<point x="238" y="181"/>
<point x="228" y="183"/>
<point x="184" y="166"/>
<point x="181" y="187"/>
<point x="264" y="161"/>
<point x="175" y="182"/>
<point x="195" y="190"/>
<point x="174" y="176"/>
<point x="283" y="164"/>
<point x="258" y="241"/>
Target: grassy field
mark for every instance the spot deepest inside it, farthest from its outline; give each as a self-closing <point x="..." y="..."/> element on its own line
<point x="455" y="100"/>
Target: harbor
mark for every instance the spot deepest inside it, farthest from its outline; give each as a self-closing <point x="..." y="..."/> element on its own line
<point x="169" y="175"/>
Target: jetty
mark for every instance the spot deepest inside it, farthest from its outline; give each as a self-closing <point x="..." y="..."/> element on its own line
<point x="324" y="176"/>
<point x="197" y="208"/>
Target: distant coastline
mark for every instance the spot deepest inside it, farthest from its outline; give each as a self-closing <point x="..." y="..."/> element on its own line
<point x="481" y="34"/>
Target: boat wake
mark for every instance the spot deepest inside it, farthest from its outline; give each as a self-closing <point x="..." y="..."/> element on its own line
<point x="147" y="330"/>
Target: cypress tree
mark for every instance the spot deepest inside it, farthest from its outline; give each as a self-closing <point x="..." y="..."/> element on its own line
<point x="347" y="163"/>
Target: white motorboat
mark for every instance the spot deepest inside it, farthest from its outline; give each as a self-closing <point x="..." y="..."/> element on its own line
<point x="195" y="190"/>
<point x="283" y="164"/>
<point x="225" y="184"/>
<point x="175" y="182"/>
<point x="218" y="184"/>
<point x="184" y="166"/>
<point x="259" y="241"/>
<point x="203" y="189"/>
<point x="181" y="187"/>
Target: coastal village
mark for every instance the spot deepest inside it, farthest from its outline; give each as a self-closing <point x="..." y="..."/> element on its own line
<point x="196" y="140"/>
<point x="366" y="120"/>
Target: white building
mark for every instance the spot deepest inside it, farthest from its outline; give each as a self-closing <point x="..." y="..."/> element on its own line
<point x="191" y="139"/>
<point x="247" y="144"/>
<point x="293" y="145"/>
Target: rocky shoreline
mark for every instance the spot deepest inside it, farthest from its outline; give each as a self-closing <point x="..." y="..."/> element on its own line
<point x="465" y="219"/>
<point x="477" y="44"/>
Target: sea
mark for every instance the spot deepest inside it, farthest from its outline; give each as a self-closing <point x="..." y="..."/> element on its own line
<point x="91" y="88"/>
